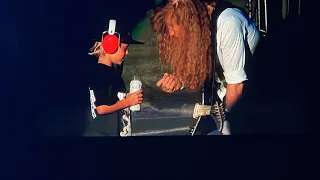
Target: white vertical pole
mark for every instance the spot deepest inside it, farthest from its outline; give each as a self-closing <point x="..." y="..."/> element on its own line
<point x="259" y="15"/>
<point x="284" y="9"/>
<point x="265" y="15"/>
<point x="250" y="8"/>
<point x="299" y="7"/>
<point x="288" y="7"/>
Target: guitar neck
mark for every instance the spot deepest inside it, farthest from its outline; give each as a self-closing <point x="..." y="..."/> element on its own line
<point x="216" y="110"/>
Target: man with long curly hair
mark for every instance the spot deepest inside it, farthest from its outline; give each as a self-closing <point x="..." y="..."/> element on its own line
<point x="193" y="35"/>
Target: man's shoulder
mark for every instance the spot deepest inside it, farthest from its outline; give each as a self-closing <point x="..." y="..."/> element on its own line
<point x="231" y="14"/>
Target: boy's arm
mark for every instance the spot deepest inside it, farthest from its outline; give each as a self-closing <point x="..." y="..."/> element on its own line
<point x="104" y="106"/>
<point x="105" y="109"/>
<point x="105" y="99"/>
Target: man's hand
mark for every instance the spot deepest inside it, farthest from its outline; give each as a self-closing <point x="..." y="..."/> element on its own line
<point x="169" y="83"/>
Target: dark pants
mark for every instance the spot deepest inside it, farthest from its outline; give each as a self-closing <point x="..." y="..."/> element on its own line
<point x="104" y="125"/>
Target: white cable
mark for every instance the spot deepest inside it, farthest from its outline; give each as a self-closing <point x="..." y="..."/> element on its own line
<point x="266" y="15"/>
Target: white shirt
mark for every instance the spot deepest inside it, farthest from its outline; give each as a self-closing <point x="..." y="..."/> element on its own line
<point x="233" y="29"/>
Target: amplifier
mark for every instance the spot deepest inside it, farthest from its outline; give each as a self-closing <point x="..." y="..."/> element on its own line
<point x="165" y="115"/>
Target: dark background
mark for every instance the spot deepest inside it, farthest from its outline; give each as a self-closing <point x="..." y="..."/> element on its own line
<point x="46" y="62"/>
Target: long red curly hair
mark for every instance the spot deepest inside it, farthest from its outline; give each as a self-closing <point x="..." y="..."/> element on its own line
<point x="189" y="55"/>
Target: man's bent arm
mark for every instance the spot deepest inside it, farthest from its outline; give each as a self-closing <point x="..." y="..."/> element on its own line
<point x="233" y="58"/>
<point x="234" y="92"/>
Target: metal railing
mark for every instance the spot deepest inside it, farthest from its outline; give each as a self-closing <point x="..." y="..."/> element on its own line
<point x="290" y="8"/>
<point x="258" y="12"/>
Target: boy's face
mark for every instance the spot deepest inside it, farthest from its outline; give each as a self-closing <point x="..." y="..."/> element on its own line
<point x="119" y="56"/>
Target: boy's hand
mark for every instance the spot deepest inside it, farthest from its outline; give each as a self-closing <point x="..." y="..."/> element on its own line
<point x="169" y="83"/>
<point x="134" y="98"/>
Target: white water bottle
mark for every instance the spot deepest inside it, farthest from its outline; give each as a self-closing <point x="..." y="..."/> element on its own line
<point x="135" y="85"/>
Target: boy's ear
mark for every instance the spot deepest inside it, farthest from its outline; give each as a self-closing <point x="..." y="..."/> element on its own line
<point x="123" y="44"/>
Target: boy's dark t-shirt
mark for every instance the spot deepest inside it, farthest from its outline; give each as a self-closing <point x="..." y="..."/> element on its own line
<point x="105" y="84"/>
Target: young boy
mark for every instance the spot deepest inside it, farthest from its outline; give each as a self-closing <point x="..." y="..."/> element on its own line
<point x="109" y="102"/>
